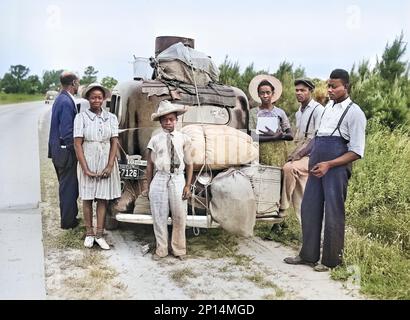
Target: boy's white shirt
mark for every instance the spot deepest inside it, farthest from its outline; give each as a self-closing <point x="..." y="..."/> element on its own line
<point x="160" y="155"/>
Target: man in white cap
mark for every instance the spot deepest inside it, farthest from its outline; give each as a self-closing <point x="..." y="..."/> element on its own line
<point x="295" y="171"/>
<point x="169" y="152"/>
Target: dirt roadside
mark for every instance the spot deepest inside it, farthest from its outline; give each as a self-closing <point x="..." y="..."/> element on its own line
<point x="219" y="266"/>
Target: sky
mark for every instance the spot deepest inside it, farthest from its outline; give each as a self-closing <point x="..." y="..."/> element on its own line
<point x="317" y="35"/>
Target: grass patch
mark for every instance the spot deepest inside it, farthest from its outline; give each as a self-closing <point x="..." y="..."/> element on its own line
<point x="89" y="258"/>
<point x="278" y="294"/>
<point x="69" y="239"/>
<point x="274" y="153"/>
<point x="103" y="273"/>
<point x="224" y="269"/>
<point x="181" y="276"/>
<point x="9" y="98"/>
<point x="380" y="269"/>
<point x="378" y="214"/>
<point x="217" y="244"/>
<point x="259" y="280"/>
<point x="379" y="192"/>
<point x="214" y="244"/>
<point x="242" y="260"/>
<point x="290" y="235"/>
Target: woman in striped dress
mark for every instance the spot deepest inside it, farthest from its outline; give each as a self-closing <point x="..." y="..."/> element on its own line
<point x="95" y="142"/>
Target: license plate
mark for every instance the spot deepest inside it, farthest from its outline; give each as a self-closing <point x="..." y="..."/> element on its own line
<point x="131" y="171"/>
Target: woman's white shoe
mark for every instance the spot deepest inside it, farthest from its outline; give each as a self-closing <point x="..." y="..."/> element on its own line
<point x="89" y="241"/>
<point x="102" y="243"/>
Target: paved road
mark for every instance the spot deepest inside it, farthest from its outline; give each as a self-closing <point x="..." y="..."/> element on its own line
<point x="21" y="247"/>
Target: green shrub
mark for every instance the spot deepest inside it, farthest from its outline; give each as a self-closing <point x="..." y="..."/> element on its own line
<point x="378" y="213"/>
<point x="9" y="98"/>
<point x="383" y="270"/>
<point x="379" y="193"/>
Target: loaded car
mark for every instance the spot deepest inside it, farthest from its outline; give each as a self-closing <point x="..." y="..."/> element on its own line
<point x="224" y="155"/>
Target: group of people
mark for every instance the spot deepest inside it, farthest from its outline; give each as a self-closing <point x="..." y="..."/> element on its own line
<point x="315" y="177"/>
<point x="295" y="169"/>
<point x="83" y="149"/>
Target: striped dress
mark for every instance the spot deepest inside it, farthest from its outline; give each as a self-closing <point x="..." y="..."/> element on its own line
<point x="97" y="130"/>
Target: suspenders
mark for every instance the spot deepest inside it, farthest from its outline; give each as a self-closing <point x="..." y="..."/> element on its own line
<point x="310" y="119"/>
<point x="341" y="120"/>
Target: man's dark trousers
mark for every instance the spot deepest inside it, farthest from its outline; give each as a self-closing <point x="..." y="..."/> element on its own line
<point x="327" y="196"/>
<point x="68" y="194"/>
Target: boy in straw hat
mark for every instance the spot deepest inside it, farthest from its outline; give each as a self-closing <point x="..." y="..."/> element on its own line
<point x="170" y="153"/>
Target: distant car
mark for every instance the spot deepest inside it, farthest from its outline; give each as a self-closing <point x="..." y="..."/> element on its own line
<point x="50" y="96"/>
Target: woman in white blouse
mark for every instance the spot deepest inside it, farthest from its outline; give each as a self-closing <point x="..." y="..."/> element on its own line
<point x="95" y="143"/>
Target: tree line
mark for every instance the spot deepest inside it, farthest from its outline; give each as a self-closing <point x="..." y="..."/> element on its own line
<point x="18" y="80"/>
<point x="382" y="90"/>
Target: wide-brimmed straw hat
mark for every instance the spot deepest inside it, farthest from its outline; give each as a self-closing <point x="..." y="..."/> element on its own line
<point x="253" y="87"/>
<point x="85" y="92"/>
<point x="166" y="107"/>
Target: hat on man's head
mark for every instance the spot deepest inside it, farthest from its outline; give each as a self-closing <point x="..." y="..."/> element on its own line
<point x="86" y="91"/>
<point x="253" y="87"/>
<point x="306" y="82"/>
<point x="166" y="107"/>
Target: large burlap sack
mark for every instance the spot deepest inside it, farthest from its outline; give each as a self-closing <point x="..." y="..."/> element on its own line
<point x="233" y="203"/>
<point x="181" y="63"/>
<point x="220" y="146"/>
<point x="179" y="71"/>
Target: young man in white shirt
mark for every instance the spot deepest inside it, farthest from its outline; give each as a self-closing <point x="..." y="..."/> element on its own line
<point x="295" y="171"/>
<point x="339" y="142"/>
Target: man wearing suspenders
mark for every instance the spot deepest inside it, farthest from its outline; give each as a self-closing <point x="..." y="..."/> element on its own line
<point x="295" y="171"/>
<point x="339" y="142"/>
